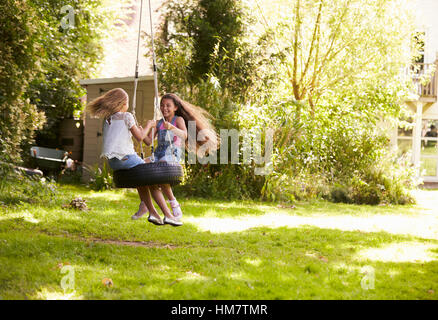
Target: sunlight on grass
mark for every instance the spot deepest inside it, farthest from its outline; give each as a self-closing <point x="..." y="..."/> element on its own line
<point x="193" y="276"/>
<point x="421" y="226"/>
<point x="254" y="262"/>
<point x="427" y="199"/>
<point x="237" y="276"/>
<point x="25" y="215"/>
<point x="49" y="294"/>
<point x="401" y="252"/>
<point x="343" y="268"/>
<point x="108" y="195"/>
<point x="209" y="257"/>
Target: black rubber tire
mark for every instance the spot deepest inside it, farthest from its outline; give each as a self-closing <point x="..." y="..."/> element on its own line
<point x="148" y="174"/>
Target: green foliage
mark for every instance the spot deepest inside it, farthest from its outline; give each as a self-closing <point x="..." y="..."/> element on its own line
<point x="42" y="63"/>
<point x="217" y="29"/>
<point x="330" y="88"/>
<point x="68" y="176"/>
<point x="387" y="181"/>
<point x="67" y="55"/>
<point x="326" y="83"/>
<point x="202" y="40"/>
<point x="339" y="153"/>
<point x="221" y="182"/>
<point x="203" y="55"/>
<point x="16" y="187"/>
<point x="326" y="48"/>
<point x="19" y="52"/>
<point x="101" y="178"/>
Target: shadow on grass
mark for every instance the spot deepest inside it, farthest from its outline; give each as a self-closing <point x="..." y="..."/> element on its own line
<point x="258" y="263"/>
<point x="264" y="258"/>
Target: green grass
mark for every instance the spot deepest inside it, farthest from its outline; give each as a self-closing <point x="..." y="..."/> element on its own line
<point x="225" y="250"/>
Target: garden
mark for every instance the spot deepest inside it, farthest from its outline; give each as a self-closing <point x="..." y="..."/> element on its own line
<point x="331" y="211"/>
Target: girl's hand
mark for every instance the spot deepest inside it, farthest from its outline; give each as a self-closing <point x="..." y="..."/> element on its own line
<point x="168" y="126"/>
<point x="151" y="123"/>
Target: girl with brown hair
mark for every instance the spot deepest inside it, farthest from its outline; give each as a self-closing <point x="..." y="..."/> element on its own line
<point x="118" y="148"/>
<point x="171" y="132"/>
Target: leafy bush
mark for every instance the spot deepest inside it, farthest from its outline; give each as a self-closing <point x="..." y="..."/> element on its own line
<point x="101" y="178"/>
<point x="68" y="176"/>
<point x="66" y="56"/>
<point x="388" y="181"/>
<point x="16" y="187"/>
<point x="18" y="55"/>
<point x="41" y="64"/>
<point x="337" y="156"/>
<point x="221" y="182"/>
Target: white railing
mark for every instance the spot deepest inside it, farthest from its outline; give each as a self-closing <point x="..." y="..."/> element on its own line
<point x="425" y="79"/>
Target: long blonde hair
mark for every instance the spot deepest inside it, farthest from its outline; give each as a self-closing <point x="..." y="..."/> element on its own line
<point x="108" y="103"/>
<point x="189" y="112"/>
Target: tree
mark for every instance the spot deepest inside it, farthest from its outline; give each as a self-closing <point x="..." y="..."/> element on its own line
<point x="205" y="40"/>
<point x="326" y="47"/>
<point x="18" y="55"/>
<point x="70" y="51"/>
<point x="333" y="72"/>
<point x="42" y="63"/>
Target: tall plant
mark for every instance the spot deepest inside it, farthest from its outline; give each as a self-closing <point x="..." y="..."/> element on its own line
<point x="334" y="73"/>
<point x="325" y="48"/>
<point x="71" y="42"/>
<point x="19" y="53"/>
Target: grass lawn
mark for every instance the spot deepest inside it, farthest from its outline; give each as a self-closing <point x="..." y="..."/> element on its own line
<point x="225" y="250"/>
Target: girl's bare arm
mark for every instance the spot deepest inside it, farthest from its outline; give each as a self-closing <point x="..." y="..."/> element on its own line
<point x="179" y="129"/>
<point x="140" y="133"/>
<point x="149" y="138"/>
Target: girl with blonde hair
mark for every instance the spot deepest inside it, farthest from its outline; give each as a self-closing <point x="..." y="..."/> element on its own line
<point x="118" y="148"/>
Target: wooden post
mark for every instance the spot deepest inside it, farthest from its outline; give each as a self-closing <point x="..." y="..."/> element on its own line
<point x="416" y="143"/>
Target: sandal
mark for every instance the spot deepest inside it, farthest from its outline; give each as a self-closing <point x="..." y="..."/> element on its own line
<point x="155" y="220"/>
<point x="138" y="215"/>
<point x="174" y="223"/>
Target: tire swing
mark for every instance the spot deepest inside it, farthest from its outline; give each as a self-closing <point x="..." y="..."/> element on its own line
<point x="155" y="172"/>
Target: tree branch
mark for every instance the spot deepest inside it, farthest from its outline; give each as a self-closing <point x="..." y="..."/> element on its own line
<point x="315" y="30"/>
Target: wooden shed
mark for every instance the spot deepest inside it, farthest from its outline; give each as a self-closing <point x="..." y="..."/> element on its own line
<point x="92" y="146"/>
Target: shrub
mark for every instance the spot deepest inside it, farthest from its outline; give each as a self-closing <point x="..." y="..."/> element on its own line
<point x="339" y="157"/>
<point x="221" y="182"/>
<point x="16" y="187"/>
<point x="18" y="55"/>
<point x="101" y="178"/>
<point x="388" y="181"/>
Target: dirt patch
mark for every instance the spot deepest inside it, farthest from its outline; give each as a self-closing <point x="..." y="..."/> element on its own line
<point x="143" y="244"/>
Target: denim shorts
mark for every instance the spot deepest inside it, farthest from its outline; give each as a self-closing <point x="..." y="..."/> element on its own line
<point x="168" y="157"/>
<point x="129" y="161"/>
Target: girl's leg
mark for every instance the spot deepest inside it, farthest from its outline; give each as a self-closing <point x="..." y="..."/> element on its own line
<point x="167" y="190"/>
<point x="145" y="197"/>
<point x="159" y="199"/>
<point x="176" y="209"/>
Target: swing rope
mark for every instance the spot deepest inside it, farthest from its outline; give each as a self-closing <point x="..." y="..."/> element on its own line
<point x="134" y="99"/>
<point x="157" y="109"/>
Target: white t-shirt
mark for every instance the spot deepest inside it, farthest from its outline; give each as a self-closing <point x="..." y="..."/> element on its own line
<point x="117" y="137"/>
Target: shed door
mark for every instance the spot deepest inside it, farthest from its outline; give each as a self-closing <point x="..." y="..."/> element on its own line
<point x="92" y="141"/>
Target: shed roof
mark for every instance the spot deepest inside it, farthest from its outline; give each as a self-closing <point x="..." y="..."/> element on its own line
<point x="113" y="80"/>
